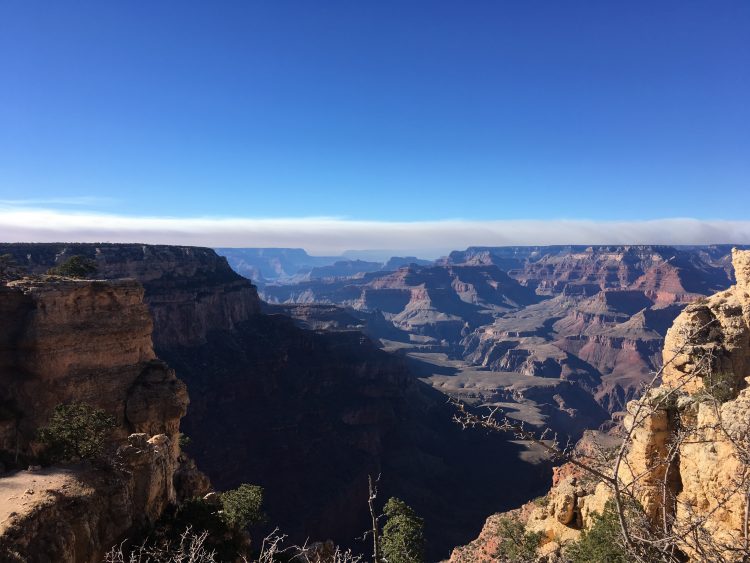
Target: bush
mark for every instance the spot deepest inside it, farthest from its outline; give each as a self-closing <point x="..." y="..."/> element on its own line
<point x="517" y="545"/>
<point x="75" y="267"/>
<point x="8" y="267"/>
<point x="602" y="542"/>
<point x="243" y="505"/>
<point x="76" y="430"/>
<point x="720" y="386"/>
<point x="402" y="540"/>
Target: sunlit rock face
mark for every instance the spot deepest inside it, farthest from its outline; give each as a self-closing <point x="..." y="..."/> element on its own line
<point x="64" y="341"/>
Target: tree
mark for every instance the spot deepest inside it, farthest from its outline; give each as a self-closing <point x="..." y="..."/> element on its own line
<point x="242" y="506"/>
<point x="517" y="545"/>
<point x="75" y="267"/>
<point x="9" y="269"/>
<point x="76" y="430"/>
<point x="402" y="540"/>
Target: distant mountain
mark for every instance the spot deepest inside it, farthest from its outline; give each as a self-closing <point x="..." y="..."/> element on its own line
<point x="260" y="264"/>
<point x="294" y="265"/>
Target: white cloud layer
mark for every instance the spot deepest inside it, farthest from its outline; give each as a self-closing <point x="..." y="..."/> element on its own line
<point x="332" y="236"/>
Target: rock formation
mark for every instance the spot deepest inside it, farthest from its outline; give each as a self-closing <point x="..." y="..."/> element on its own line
<point x="64" y="341"/>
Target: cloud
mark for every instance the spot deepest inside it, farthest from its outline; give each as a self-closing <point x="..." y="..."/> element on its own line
<point x="65" y="201"/>
<point x="333" y="235"/>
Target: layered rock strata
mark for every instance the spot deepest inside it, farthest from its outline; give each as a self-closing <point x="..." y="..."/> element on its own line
<point x="65" y="341"/>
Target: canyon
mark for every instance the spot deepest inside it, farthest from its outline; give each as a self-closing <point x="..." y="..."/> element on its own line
<point x="559" y="336"/>
<point x="307" y="414"/>
<point x="341" y="372"/>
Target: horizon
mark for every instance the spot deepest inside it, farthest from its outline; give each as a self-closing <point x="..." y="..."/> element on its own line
<point x="421" y="126"/>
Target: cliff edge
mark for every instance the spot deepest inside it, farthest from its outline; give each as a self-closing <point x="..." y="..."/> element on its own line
<point x="68" y="341"/>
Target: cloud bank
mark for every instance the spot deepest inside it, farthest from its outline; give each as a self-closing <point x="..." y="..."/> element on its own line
<point x="333" y="236"/>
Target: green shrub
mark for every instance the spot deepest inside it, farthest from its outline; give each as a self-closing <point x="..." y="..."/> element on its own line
<point x="402" y="540"/>
<point x="243" y="506"/>
<point x="8" y="267"/>
<point x="517" y="545"/>
<point x="720" y="386"/>
<point x="76" y="430"/>
<point x="602" y="542"/>
<point x="75" y="267"/>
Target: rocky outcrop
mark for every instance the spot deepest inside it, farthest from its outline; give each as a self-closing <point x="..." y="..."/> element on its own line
<point x="68" y="341"/>
<point x="65" y="341"/>
<point x="702" y="412"/>
<point x="190" y="290"/>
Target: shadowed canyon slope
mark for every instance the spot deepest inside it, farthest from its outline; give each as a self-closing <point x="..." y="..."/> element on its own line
<point x="306" y="414"/>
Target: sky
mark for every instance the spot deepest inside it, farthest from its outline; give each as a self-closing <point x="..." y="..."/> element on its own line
<point x="375" y="124"/>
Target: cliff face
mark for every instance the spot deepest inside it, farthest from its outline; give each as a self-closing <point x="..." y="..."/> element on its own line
<point x="707" y="372"/>
<point x="85" y="341"/>
<point x="64" y="341"/>
<point x="189" y="290"/>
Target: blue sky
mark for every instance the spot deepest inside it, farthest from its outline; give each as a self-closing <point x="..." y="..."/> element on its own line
<point x="385" y="111"/>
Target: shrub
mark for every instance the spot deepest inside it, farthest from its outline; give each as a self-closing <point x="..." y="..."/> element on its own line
<point x="75" y="267"/>
<point x="720" y="386"/>
<point x="517" y="545"/>
<point x="76" y="430"/>
<point x="243" y="505"/>
<point x="8" y="267"/>
<point x="402" y="540"/>
<point x="602" y="542"/>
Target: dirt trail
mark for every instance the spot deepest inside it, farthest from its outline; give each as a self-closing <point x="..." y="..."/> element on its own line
<point x="20" y="492"/>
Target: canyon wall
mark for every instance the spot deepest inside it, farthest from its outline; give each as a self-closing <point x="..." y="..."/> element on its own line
<point x="65" y="341"/>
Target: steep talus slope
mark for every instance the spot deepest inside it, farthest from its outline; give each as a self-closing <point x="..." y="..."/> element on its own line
<point x="307" y="415"/>
<point x="64" y="341"/>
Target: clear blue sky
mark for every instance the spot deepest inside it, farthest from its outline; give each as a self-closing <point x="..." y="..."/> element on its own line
<point x="384" y="110"/>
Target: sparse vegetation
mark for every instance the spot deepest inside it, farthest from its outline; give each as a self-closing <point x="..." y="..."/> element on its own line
<point x="720" y="386"/>
<point x="76" y="431"/>
<point x="517" y="545"/>
<point x="402" y="540"/>
<point x="190" y="548"/>
<point x="75" y="267"/>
